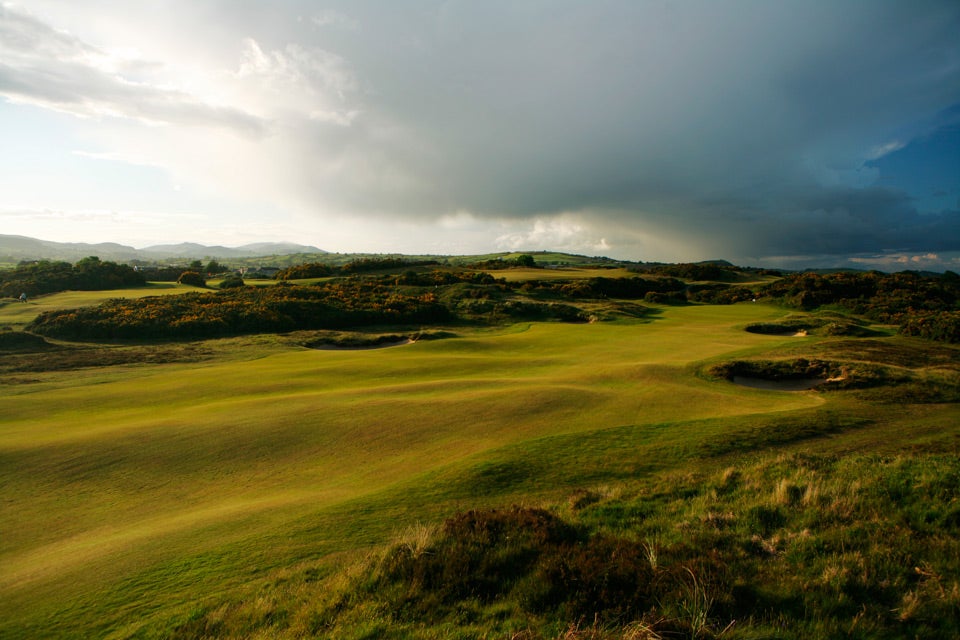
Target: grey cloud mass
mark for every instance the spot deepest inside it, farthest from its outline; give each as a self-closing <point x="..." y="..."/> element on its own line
<point x="747" y="120"/>
<point x="742" y="128"/>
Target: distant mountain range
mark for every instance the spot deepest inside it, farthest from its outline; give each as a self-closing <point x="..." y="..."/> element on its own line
<point x="16" y="248"/>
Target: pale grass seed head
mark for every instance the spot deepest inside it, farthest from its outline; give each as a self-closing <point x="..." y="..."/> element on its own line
<point x="418" y="537"/>
<point x="787" y="492"/>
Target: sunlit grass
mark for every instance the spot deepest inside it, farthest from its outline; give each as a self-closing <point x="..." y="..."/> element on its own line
<point x="520" y="274"/>
<point x="162" y="485"/>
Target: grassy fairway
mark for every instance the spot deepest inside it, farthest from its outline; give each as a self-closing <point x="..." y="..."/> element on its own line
<point x="16" y="314"/>
<point x="129" y="501"/>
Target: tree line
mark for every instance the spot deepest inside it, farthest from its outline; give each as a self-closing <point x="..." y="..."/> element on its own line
<point x="89" y="274"/>
<point x="360" y="265"/>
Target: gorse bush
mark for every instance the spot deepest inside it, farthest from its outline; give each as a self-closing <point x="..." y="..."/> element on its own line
<point x="899" y="298"/>
<point x="242" y="310"/>
<point x="285" y="307"/>
<point x="943" y="326"/>
<point x="192" y="278"/>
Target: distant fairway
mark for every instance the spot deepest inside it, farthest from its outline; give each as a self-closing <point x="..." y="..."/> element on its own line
<point x="162" y="485"/>
<point x="16" y="314"/>
<point x="519" y="274"/>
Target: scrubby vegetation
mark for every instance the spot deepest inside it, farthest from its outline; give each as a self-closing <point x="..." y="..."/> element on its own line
<point x="411" y="297"/>
<point x="923" y="306"/>
<point x="325" y="305"/>
<point x="943" y="326"/>
<point x="926" y="306"/>
<point x="358" y="265"/>
<point x="243" y="310"/>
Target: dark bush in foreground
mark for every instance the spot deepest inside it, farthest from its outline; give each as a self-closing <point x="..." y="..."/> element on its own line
<point x="533" y="558"/>
<point x="481" y="555"/>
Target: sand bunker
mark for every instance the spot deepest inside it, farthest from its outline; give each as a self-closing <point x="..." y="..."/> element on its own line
<point x="366" y="347"/>
<point x="793" y="384"/>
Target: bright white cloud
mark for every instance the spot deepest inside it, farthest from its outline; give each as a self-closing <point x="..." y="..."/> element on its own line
<point x="54" y="70"/>
<point x="563" y="233"/>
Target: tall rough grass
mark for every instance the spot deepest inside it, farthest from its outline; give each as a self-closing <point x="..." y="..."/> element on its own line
<point x="789" y="547"/>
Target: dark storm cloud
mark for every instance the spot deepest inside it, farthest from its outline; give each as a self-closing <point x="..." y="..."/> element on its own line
<point x="749" y="120"/>
<point x="831" y="221"/>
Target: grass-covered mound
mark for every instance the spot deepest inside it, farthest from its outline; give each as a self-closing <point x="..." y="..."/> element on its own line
<point x="877" y="371"/>
<point x="360" y="340"/>
<point x="22" y="341"/>
<point x="794" y="546"/>
<point x="781" y="370"/>
<point x="821" y="324"/>
<point x="347" y="304"/>
<point x="242" y="311"/>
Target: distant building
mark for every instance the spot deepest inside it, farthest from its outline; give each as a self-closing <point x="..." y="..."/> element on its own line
<point x="259" y="272"/>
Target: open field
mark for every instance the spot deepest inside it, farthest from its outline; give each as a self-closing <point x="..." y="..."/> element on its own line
<point x="132" y="493"/>
<point x="16" y="314"/>
<point x="520" y="274"/>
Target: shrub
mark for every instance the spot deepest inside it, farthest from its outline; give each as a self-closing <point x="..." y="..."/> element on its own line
<point x="232" y="282"/>
<point x="480" y="555"/>
<point x="606" y="576"/>
<point x="943" y="326"/>
<point x="192" y="278"/>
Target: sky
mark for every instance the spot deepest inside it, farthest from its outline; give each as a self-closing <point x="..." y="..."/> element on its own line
<point x="783" y="134"/>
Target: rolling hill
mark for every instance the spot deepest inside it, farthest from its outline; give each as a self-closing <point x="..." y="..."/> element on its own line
<point x="17" y="248"/>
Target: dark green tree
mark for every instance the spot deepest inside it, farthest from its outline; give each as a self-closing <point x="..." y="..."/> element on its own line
<point x="525" y="260"/>
<point x="215" y="267"/>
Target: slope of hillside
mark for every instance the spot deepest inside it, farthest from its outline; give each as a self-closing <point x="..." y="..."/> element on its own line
<point x="17" y="248"/>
